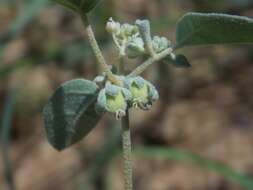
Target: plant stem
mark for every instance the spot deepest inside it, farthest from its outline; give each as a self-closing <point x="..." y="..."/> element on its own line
<point x="126" y="140"/>
<point x="150" y="61"/>
<point x="127" y="152"/>
<point x="98" y="54"/>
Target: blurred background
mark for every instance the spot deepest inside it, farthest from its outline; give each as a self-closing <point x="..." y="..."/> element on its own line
<point x="198" y="136"/>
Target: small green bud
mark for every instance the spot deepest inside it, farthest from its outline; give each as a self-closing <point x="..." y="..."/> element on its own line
<point x="160" y="43"/>
<point x="113" y="99"/>
<point x="129" y="30"/>
<point x="143" y="92"/>
<point x="113" y="27"/>
<point x="135" y="47"/>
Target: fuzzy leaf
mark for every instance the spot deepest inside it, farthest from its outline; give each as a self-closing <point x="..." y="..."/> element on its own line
<point x="84" y="6"/>
<point x="70" y="113"/>
<point x="206" y="29"/>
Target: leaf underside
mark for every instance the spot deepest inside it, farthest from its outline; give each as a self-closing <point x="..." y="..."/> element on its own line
<point x="212" y="28"/>
<point x="70" y="113"/>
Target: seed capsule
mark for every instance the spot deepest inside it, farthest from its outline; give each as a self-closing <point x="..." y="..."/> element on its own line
<point x="113" y="99"/>
<point x="143" y="92"/>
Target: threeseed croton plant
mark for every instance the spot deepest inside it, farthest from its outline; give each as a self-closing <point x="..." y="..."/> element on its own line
<point x="77" y="105"/>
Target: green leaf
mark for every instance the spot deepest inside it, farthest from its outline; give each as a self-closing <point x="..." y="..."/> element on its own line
<point x="181" y="61"/>
<point x="206" y="29"/>
<point x="70" y="113"/>
<point x="83" y="6"/>
<point x="191" y="158"/>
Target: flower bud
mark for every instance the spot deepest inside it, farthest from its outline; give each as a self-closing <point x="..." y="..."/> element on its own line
<point x="143" y="92"/>
<point x="160" y="43"/>
<point x="113" y="99"/>
<point x="128" y="30"/>
<point x="113" y="27"/>
<point x="135" y="48"/>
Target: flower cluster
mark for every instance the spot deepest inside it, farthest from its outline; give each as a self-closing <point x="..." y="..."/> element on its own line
<point x="122" y="34"/>
<point x="129" y="42"/>
<point x="132" y="41"/>
<point x="136" y="92"/>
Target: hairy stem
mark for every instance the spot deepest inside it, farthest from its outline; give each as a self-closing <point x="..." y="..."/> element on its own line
<point x="126" y="140"/>
<point x="127" y="152"/>
<point x="150" y="61"/>
<point x="99" y="56"/>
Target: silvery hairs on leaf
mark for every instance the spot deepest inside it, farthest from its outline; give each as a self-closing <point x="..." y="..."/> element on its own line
<point x="213" y="28"/>
<point x="70" y="113"/>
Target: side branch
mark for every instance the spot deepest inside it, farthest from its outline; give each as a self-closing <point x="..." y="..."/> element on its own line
<point x="150" y="61"/>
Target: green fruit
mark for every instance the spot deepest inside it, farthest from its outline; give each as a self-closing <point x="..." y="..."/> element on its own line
<point x="115" y="103"/>
<point x="113" y="99"/>
<point x="139" y="93"/>
<point x="143" y="92"/>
